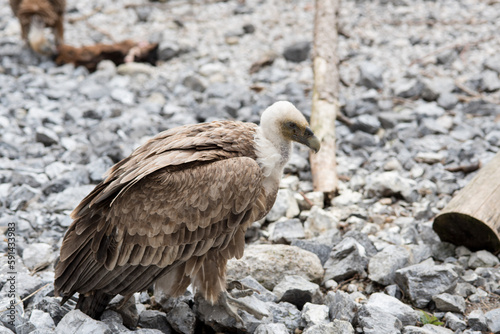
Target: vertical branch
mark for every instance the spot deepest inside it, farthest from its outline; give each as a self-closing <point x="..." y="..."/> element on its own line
<point x="325" y="95"/>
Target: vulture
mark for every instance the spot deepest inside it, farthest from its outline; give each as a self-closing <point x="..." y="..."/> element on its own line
<point x="176" y="210"/>
<point x="36" y="15"/>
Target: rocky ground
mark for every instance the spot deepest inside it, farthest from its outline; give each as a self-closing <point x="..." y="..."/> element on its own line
<point x="420" y="94"/>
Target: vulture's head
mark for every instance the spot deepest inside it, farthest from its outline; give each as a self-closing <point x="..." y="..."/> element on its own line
<point x="39" y="38"/>
<point x="283" y="122"/>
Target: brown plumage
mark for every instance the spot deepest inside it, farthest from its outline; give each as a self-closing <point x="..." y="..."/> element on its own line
<point x="34" y="16"/>
<point x="176" y="210"/>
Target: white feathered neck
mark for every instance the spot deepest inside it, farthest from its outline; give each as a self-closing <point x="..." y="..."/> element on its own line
<point x="273" y="149"/>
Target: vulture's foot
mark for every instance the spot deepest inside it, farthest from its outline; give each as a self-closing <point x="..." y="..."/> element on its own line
<point x="229" y="300"/>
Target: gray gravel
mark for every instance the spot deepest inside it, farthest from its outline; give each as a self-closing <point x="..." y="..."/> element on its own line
<point x="420" y="87"/>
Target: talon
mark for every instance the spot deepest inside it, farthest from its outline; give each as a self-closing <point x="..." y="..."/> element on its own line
<point x="233" y="311"/>
<point x="226" y="299"/>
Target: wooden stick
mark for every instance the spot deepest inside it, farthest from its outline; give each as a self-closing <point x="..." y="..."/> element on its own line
<point x="325" y="105"/>
<point x="472" y="217"/>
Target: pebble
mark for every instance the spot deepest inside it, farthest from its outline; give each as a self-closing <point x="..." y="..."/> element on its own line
<point x="297" y="52"/>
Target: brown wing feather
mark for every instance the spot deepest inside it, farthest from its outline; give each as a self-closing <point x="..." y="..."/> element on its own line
<point x="175" y="148"/>
<point x="169" y="216"/>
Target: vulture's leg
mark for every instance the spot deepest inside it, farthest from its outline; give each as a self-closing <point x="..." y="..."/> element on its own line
<point x="231" y="303"/>
<point x="59" y="31"/>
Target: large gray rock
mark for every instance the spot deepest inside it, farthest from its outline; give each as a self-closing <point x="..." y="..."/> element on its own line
<point x="477" y="321"/>
<point x="426" y="329"/>
<point x="366" y="123"/>
<point x="46" y="136"/>
<point x="335" y="327"/>
<point x="78" y="322"/>
<point x="12" y="309"/>
<point x="347" y="259"/>
<point x="490" y="81"/>
<point x="341" y="305"/>
<point x="128" y="310"/>
<point x="319" y="221"/>
<point x="271" y="329"/>
<point x="261" y="292"/>
<point x="408" y="88"/>
<point x="435" y="87"/>
<point x="285" y="206"/>
<point x="42" y="320"/>
<point x="286" y="230"/>
<point x="391" y="305"/>
<point x="37" y="255"/>
<point x="297" y="291"/>
<point x="370" y="75"/>
<point x="287" y="314"/>
<point x="449" y="303"/>
<point x="27" y="284"/>
<point x="156" y="320"/>
<point x="269" y="264"/>
<point x="5" y="330"/>
<point x="52" y="306"/>
<point x="382" y="266"/>
<point x="314" y="314"/>
<point x="374" y="320"/>
<point x="493" y="320"/>
<point x="389" y="184"/>
<point x="114" y="321"/>
<point x="422" y="281"/>
<point x="483" y="258"/>
<point x="182" y="318"/>
<point x="322" y="250"/>
<point x="21" y="197"/>
<point x="454" y="322"/>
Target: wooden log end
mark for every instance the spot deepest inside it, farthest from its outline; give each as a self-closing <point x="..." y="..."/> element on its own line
<point x="464" y="230"/>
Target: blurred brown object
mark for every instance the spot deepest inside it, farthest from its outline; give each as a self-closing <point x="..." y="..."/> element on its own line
<point x="36" y="15"/>
<point x="119" y="53"/>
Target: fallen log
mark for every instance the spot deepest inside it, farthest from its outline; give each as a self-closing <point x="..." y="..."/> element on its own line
<point x="119" y="53"/>
<point x="325" y="104"/>
<point x="472" y="217"/>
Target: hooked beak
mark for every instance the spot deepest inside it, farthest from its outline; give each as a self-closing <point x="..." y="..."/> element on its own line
<point x="309" y="139"/>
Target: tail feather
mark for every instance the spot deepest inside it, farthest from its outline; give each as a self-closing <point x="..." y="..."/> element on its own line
<point x="93" y="304"/>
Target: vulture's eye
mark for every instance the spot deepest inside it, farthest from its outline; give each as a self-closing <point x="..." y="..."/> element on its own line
<point x="292" y="125"/>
